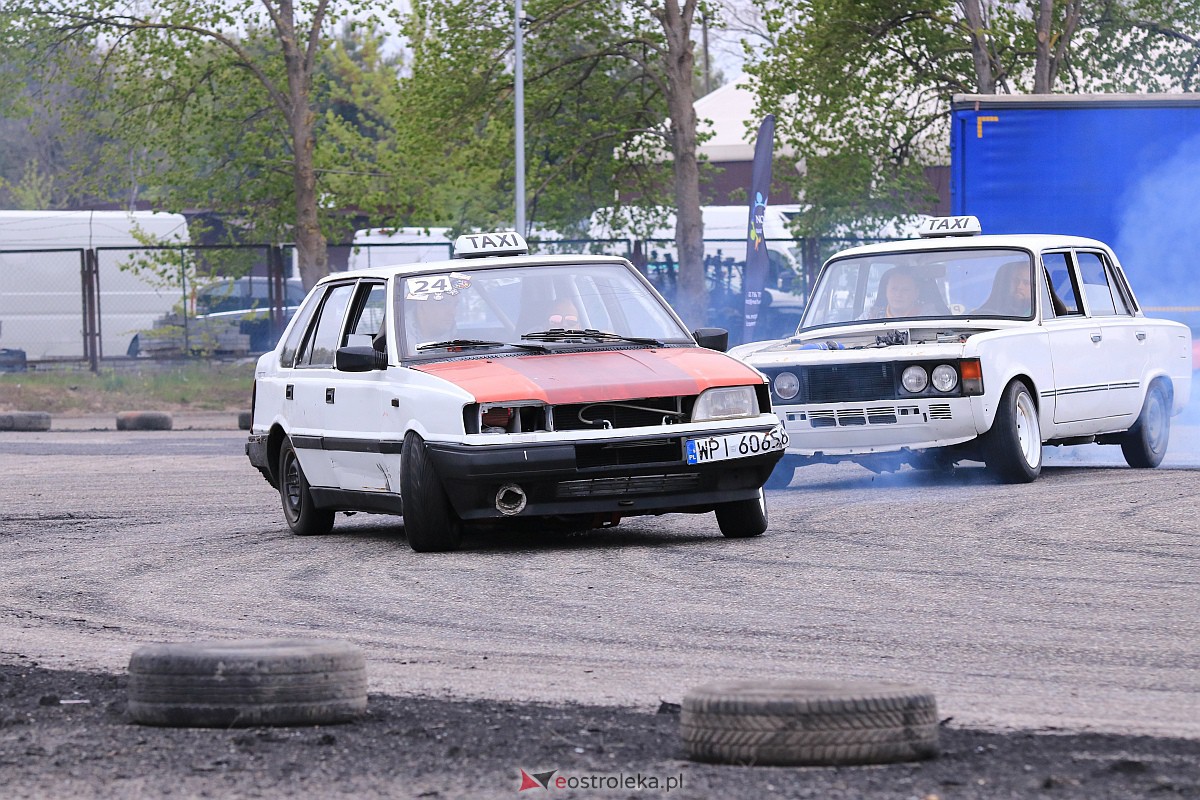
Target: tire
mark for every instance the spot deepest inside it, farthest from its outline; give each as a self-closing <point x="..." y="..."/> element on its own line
<point x="302" y="516"/>
<point x="809" y="723"/>
<point x="1013" y="446"/>
<point x="24" y="421"/>
<point x="144" y="421"/>
<point x="743" y="518"/>
<point x="429" y="521"/>
<point x="1146" y="442"/>
<point x="243" y="683"/>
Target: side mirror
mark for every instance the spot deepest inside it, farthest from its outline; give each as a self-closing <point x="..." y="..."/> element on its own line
<point x="712" y="338"/>
<point x="359" y="359"/>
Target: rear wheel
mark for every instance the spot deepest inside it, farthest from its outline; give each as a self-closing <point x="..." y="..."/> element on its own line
<point x="743" y="518"/>
<point x="1146" y="442"/>
<point x="1013" y="447"/>
<point x="429" y="521"/>
<point x="302" y="516"/>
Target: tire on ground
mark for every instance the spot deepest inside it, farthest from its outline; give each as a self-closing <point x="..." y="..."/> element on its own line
<point x="809" y="723"/>
<point x="247" y="682"/>
<point x="743" y="519"/>
<point x="245" y="418"/>
<point x="430" y="523"/>
<point x="1013" y="445"/>
<point x="24" y="421"/>
<point x="1146" y="442"/>
<point x="144" y="421"/>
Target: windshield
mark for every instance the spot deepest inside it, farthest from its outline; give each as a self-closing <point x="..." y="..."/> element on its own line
<point x="929" y="283"/>
<point x="498" y="306"/>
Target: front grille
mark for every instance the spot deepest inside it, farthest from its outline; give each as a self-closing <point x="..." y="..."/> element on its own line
<point x="622" y="414"/>
<point x="628" y="454"/>
<point x="629" y="484"/>
<point x="847" y="383"/>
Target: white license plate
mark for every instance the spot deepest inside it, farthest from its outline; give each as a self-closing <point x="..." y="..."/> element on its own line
<point x="735" y="445"/>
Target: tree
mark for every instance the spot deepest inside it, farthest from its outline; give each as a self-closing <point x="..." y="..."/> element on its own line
<point x="600" y="80"/>
<point x="861" y="88"/>
<point x="238" y="75"/>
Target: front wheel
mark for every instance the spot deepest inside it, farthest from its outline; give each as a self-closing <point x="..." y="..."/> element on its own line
<point x="1013" y="446"/>
<point x="743" y="518"/>
<point x="429" y="521"/>
<point x="1146" y="442"/>
<point x="302" y="516"/>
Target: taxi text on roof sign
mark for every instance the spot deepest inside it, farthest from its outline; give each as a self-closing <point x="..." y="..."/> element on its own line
<point x="950" y="226"/>
<point x="497" y="243"/>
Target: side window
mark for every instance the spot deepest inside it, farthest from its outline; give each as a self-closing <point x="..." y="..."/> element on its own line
<point x="1100" y="286"/>
<point x="368" y="316"/>
<point x="1061" y="283"/>
<point x="319" y="349"/>
<point x="287" y="356"/>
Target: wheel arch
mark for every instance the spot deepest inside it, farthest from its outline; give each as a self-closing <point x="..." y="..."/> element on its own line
<point x="275" y="439"/>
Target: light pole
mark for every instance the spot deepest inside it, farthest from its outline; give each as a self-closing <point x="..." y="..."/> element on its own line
<point x="519" y="99"/>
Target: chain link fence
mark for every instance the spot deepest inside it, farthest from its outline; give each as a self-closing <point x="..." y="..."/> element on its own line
<point x="111" y="304"/>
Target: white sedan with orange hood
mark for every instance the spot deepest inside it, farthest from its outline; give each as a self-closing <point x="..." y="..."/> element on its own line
<point x="503" y="386"/>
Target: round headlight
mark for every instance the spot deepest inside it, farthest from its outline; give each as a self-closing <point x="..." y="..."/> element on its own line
<point x="914" y="379"/>
<point x="787" y="385"/>
<point x="944" y="377"/>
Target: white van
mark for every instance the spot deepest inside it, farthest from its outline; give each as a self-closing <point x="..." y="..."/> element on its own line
<point x="381" y="247"/>
<point x="41" y="281"/>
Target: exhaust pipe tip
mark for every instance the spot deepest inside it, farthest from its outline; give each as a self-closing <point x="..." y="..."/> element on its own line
<point x="510" y="499"/>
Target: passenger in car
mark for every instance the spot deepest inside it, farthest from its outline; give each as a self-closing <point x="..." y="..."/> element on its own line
<point x="1011" y="294"/>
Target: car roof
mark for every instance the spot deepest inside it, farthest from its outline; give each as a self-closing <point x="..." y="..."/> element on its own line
<point x="458" y="264"/>
<point x="1025" y="241"/>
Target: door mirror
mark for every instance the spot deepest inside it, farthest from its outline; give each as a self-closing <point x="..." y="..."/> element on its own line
<point x="712" y="338"/>
<point x="359" y="359"/>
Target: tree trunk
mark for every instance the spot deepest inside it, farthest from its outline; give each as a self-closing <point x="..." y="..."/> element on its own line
<point x="985" y="78"/>
<point x="1041" y="64"/>
<point x="311" y="250"/>
<point x="692" y="298"/>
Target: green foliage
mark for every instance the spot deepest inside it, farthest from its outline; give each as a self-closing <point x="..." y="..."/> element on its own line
<point x="861" y="88"/>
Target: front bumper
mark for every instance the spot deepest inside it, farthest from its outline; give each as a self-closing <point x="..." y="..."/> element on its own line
<point x="624" y="477"/>
<point x="883" y="426"/>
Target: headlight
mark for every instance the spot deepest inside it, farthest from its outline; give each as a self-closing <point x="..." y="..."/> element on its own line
<point x="944" y="377"/>
<point x="728" y="402"/>
<point x="914" y="379"/>
<point x="787" y="385"/>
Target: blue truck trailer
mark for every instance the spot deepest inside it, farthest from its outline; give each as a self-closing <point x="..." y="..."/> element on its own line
<point x="1121" y="168"/>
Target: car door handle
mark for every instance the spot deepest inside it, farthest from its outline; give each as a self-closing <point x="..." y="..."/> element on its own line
<point x="1141" y="336"/>
<point x="329" y="394"/>
<point x="287" y="392"/>
<point x="1096" y="337"/>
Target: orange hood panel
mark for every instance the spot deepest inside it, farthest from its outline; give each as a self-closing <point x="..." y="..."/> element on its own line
<point x="590" y="377"/>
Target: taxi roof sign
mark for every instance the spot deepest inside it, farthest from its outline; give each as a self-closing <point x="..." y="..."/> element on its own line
<point x="496" y="243"/>
<point x="950" y="226"/>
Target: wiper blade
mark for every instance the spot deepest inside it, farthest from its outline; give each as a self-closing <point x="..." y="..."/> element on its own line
<point x="559" y="334"/>
<point x="479" y="343"/>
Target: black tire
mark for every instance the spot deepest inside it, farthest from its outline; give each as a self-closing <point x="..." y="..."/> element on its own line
<point x="302" y="516"/>
<point x="1146" y="442"/>
<point x="24" y="421"/>
<point x="809" y="723"/>
<point x="1013" y="446"/>
<point x="429" y="521"/>
<point x="743" y="518"/>
<point x="242" y="683"/>
<point x="144" y="421"/>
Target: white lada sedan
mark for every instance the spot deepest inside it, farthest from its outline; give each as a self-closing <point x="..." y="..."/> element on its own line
<point x="961" y="346"/>
<point x="504" y="386"/>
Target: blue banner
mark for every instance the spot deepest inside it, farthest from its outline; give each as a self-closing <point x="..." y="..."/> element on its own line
<point x="755" y="276"/>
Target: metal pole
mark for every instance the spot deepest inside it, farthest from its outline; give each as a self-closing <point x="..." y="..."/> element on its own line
<point x="519" y="98"/>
